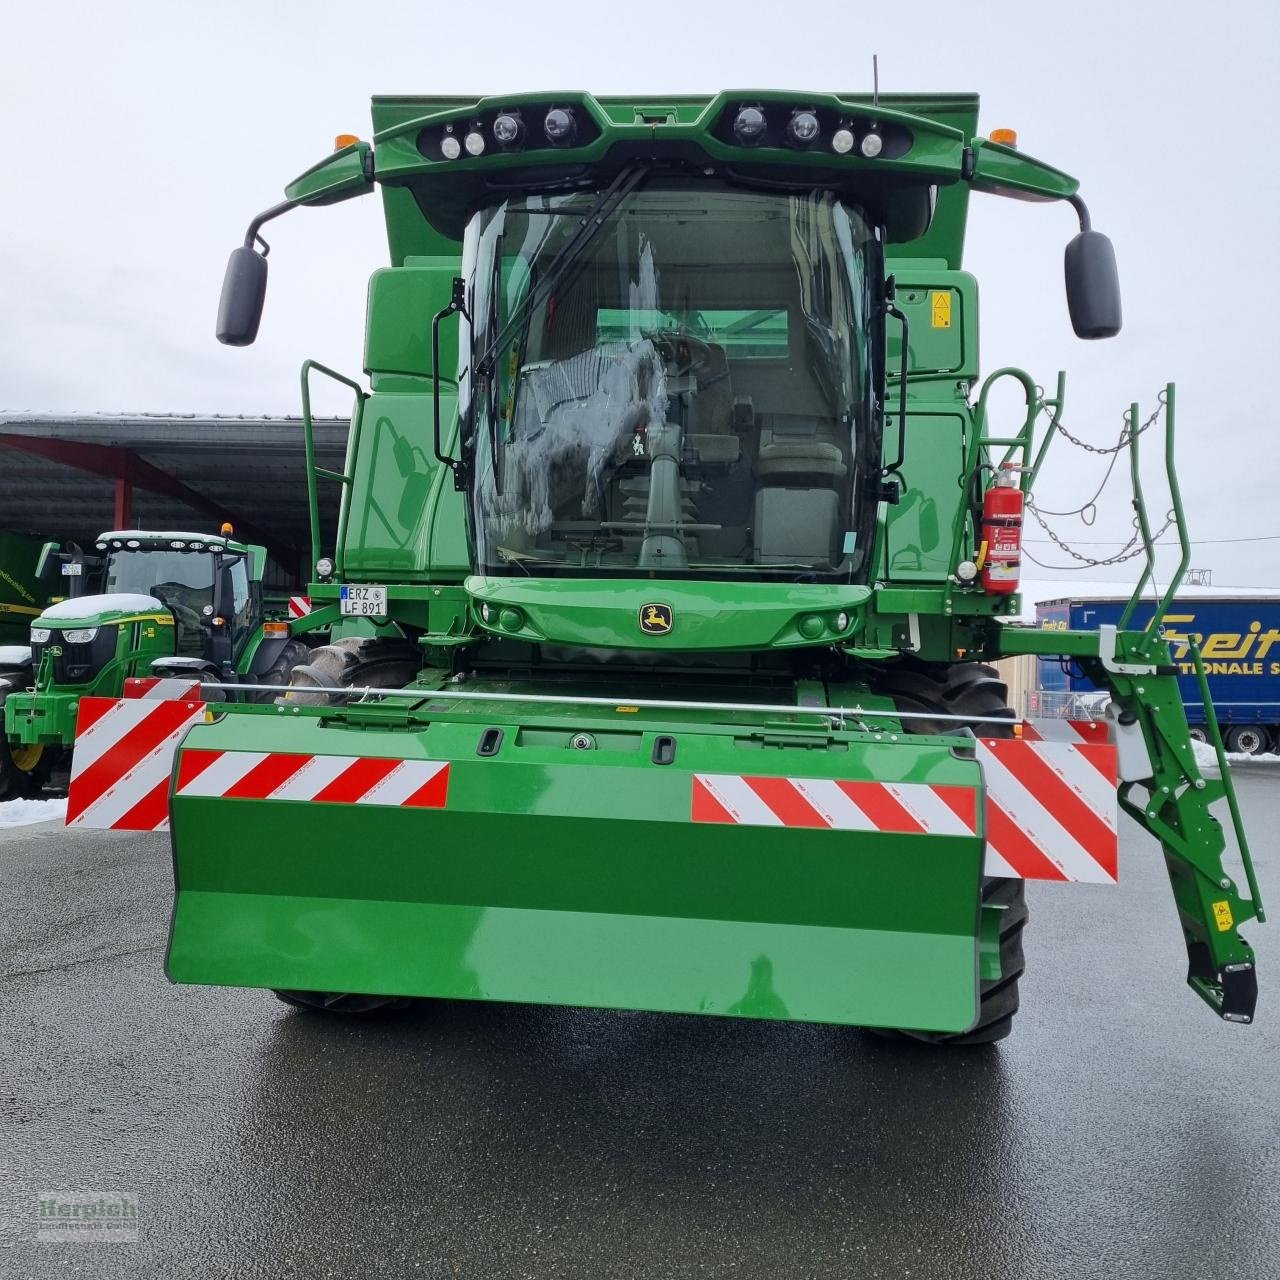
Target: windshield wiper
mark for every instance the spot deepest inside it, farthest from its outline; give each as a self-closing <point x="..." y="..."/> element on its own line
<point x="592" y="223"/>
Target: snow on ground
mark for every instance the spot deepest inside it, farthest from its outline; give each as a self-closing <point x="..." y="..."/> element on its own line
<point x="1207" y="758"/>
<point x="21" y="813"/>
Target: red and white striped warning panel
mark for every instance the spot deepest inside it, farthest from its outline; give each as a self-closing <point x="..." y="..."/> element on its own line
<point x="1066" y="731"/>
<point x="909" y="808"/>
<point x="156" y="688"/>
<point x="259" y="775"/>
<point x="299" y="606"/>
<point x="1051" y="808"/>
<point x="123" y="757"/>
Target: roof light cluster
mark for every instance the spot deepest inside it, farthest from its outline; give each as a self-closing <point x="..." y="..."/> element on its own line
<point x="804" y="128"/>
<point x="507" y="130"/>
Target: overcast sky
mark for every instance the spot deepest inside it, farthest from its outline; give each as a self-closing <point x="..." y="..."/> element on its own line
<point x="141" y="137"/>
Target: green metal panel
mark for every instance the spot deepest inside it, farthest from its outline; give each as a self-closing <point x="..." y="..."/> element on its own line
<point x="402" y="301"/>
<point x="919" y="526"/>
<point x="575" y="877"/>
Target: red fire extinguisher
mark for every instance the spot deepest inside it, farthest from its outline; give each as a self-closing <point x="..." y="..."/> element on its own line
<point x="1002" y="533"/>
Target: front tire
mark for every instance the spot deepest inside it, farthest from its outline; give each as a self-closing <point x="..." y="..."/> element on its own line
<point x="968" y="689"/>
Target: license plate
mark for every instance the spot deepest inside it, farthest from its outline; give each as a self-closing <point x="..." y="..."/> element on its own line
<point x="363" y="602"/>
<point x="73" y="569"/>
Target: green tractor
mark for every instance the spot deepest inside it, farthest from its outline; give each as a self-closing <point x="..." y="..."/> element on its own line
<point x="675" y="536"/>
<point x="22" y="597"/>
<point x="184" y="606"/>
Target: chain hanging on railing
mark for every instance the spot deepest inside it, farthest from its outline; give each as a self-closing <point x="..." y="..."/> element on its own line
<point x="1088" y="511"/>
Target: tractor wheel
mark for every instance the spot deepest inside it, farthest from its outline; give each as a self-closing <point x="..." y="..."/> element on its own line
<point x="24" y="770"/>
<point x="968" y="689"/>
<point x="354" y="663"/>
<point x="281" y="671"/>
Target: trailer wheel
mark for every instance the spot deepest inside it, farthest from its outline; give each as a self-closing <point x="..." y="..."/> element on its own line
<point x="1198" y="734"/>
<point x="353" y="663"/>
<point x="967" y="689"/>
<point x="1248" y="739"/>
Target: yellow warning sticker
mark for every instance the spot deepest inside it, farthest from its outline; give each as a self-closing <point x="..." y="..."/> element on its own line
<point x="940" y="306"/>
<point x="1222" y="914"/>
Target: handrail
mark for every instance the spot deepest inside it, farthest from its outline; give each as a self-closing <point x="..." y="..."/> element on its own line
<point x="980" y="442"/>
<point x="343" y="477"/>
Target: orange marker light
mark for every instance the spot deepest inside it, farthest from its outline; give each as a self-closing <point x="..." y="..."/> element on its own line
<point x="275" y="628"/>
<point x="344" y="140"/>
<point x="1006" y="137"/>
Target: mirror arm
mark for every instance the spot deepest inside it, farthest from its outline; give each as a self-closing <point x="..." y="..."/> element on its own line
<point x="251" y="236"/>
<point x="1082" y="210"/>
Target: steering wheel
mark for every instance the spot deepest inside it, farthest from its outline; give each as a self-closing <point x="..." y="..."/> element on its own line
<point x="670" y="342"/>
<point x="183" y="613"/>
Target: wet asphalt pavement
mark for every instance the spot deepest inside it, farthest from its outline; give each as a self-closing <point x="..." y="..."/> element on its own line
<point x="1122" y="1131"/>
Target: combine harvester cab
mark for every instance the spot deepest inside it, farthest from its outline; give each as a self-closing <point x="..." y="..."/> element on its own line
<point x="675" y="533"/>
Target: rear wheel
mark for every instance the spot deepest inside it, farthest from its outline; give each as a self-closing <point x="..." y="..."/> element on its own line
<point x="1247" y="739"/>
<point x="968" y="689"/>
<point x="1198" y="734"/>
<point x="280" y="672"/>
<point x="353" y="663"/>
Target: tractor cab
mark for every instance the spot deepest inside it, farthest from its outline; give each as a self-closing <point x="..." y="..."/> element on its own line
<point x="163" y="595"/>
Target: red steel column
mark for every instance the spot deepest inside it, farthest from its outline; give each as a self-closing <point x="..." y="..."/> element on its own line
<point x="124" y="504"/>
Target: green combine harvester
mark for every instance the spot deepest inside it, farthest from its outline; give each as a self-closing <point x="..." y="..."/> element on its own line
<point x="674" y="535"/>
<point x="179" y="605"/>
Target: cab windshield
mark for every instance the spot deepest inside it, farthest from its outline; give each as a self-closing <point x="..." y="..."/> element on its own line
<point x="173" y="577"/>
<point x="693" y="397"/>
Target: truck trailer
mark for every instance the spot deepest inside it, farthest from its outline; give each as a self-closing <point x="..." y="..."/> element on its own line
<point x="1238" y="637"/>
<point x="676" y="533"/>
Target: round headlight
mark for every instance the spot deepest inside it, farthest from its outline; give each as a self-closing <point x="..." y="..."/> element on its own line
<point x="40" y="635"/>
<point x="450" y="147"/>
<point x="558" y="126"/>
<point x="842" y="141"/>
<point x="508" y="130"/>
<point x="133" y="542"/>
<point x="749" y="125"/>
<point x="474" y="143"/>
<point x="842" y="622"/>
<point x="196" y="546"/>
<point x="802" y="128"/>
<point x="324" y="567"/>
<point x="82" y="635"/>
<point x="177" y="545"/>
<point x="485" y="613"/>
<point x="872" y="145"/>
<point x="966" y="571"/>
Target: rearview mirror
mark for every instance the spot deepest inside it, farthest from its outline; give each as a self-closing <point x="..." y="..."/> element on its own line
<point x="1093" y="286"/>
<point x="244" y="288"/>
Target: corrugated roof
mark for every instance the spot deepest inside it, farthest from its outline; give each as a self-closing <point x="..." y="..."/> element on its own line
<point x="254" y="467"/>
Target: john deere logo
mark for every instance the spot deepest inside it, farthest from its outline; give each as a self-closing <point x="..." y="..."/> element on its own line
<point x="656" y="619"/>
<point x="54" y="651"/>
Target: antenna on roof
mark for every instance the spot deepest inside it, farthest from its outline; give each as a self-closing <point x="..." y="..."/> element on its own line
<point x="875" y="79"/>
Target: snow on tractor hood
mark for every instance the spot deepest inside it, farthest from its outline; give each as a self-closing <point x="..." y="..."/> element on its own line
<point x="96" y="609"/>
